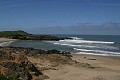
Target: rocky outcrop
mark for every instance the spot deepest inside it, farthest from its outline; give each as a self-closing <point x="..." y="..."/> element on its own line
<point x="20" y="62"/>
<point x="17" y="65"/>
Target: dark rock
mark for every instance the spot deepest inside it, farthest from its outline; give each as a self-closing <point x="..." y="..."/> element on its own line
<point x="14" y="61"/>
<point x="16" y="70"/>
<point x="17" y="65"/>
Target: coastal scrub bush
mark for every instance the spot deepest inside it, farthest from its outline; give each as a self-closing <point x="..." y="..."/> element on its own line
<point x="3" y="77"/>
<point x="53" y="51"/>
<point x="1" y="53"/>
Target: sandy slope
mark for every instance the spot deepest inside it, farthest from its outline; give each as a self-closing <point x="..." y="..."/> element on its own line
<point x="6" y="39"/>
<point x="88" y="68"/>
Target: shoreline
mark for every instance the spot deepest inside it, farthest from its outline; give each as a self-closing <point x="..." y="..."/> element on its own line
<point x="58" y="66"/>
<point x="6" y="39"/>
<point x="115" y="56"/>
<point x="96" y="56"/>
<point x="87" y="67"/>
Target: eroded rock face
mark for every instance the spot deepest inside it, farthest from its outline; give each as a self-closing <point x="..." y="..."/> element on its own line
<point x="17" y="65"/>
<point x="27" y="63"/>
<point x="16" y="70"/>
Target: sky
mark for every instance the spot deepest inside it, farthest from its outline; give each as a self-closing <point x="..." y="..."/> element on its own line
<point x="95" y="17"/>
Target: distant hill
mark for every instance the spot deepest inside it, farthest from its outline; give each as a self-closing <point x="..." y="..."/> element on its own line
<point x="22" y="35"/>
<point x="12" y="34"/>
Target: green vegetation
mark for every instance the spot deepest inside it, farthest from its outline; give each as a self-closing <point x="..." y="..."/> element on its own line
<point x="26" y="36"/>
<point x="14" y="62"/>
<point x="3" y="77"/>
<point x="13" y="34"/>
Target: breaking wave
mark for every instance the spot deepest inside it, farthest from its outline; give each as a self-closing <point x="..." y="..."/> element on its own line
<point x="97" y="51"/>
<point x="79" y="40"/>
<point x="5" y="43"/>
<point x="90" y="47"/>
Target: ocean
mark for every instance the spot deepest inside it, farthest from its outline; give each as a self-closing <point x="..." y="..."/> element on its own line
<point x="104" y="45"/>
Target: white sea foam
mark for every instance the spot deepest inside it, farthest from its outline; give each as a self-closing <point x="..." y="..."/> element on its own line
<point x="85" y="46"/>
<point x="76" y="38"/>
<point x="63" y="44"/>
<point x="6" y="43"/>
<point x="97" y="51"/>
<point x="80" y="40"/>
<point x="85" y="41"/>
<point x="90" y="53"/>
<point x="97" y="54"/>
<point x="88" y="46"/>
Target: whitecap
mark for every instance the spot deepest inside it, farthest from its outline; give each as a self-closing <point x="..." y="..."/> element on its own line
<point x="6" y="43"/>
<point x="97" y="51"/>
<point x="90" y="53"/>
<point x="76" y="38"/>
<point x="85" y="41"/>
<point x="88" y="46"/>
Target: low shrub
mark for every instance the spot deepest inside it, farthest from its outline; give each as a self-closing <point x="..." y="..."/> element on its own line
<point x="3" y="77"/>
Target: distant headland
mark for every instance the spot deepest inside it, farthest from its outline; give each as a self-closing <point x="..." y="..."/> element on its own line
<point x="22" y="35"/>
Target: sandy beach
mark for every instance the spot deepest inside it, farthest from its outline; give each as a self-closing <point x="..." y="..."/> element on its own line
<point x="89" y="67"/>
<point x="86" y="67"/>
<point x="6" y="39"/>
<point x="59" y="66"/>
